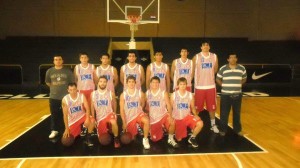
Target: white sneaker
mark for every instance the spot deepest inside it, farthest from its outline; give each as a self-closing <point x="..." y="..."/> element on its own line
<point x="53" y="134"/>
<point x="146" y="143"/>
<point x="215" y="129"/>
<point x="173" y="143"/>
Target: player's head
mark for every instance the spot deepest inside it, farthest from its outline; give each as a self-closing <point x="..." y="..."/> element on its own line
<point x="131" y="81"/>
<point x="83" y="57"/>
<point x="158" y="56"/>
<point x="232" y="59"/>
<point x="105" y="58"/>
<point x="182" y="83"/>
<point x="184" y="52"/>
<point x="102" y="82"/>
<point x="58" y="60"/>
<point x="72" y="88"/>
<point x="154" y="82"/>
<point x="131" y="56"/>
<point x="205" y="46"/>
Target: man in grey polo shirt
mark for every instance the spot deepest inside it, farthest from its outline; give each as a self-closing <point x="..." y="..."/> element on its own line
<point x="57" y="78"/>
<point x="231" y="77"/>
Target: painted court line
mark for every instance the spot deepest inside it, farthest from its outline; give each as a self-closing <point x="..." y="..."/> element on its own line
<point x="21" y="163"/>
<point x="239" y="163"/>
<point x="11" y="140"/>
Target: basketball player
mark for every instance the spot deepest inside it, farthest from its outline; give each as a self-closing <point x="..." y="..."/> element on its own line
<point x="160" y="112"/>
<point x="84" y="76"/>
<point x="132" y="102"/>
<point x="76" y="112"/>
<point x="231" y="77"/>
<point x="159" y="69"/>
<point x="133" y="69"/>
<point x="182" y="102"/>
<point x="182" y="67"/>
<point x="104" y="104"/>
<point x="107" y="70"/>
<point x="206" y="66"/>
<point x="57" y="78"/>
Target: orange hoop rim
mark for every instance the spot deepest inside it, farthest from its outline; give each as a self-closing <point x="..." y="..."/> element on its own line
<point x="133" y="19"/>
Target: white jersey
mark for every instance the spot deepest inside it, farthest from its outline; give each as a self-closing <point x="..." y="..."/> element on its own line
<point x="85" y="77"/>
<point x="132" y="105"/>
<point x="205" y="71"/>
<point x="102" y="103"/>
<point x="157" y="105"/>
<point x="134" y="71"/>
<point x="183" y="69"/>
<point x="109" y="73"/>
<point x="161" y="72"/>
<point x="75" y="108"/>
<point x="181" y="105"/>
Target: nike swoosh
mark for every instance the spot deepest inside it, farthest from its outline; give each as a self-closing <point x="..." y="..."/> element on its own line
<point x="255" y="77"/>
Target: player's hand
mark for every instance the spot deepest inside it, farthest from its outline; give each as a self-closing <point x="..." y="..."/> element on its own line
<point x="124" y="126"/>
<point x="66" y="133"/>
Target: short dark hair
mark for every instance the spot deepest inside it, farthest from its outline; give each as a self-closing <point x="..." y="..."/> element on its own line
<point x="83" y="53"/>
<point x="103" y="77"/>
<point x="205" y="41"/>
<point x="130" y="77"/>
<point x="72" y="84"/>
<point x="105" y="54"/>
<point x="132" y="52"/>
<point x="155" y="78"/>
<point x="181" y="79"/>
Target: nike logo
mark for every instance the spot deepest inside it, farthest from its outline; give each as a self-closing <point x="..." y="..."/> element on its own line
<point x="255" y="77"/>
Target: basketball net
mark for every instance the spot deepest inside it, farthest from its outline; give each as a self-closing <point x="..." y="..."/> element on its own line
<point x="133" y="22"/>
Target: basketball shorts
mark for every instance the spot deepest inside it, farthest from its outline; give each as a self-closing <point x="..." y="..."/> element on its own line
<point x="75" y="128"/>
<point x="132" y="127"/>
<point x="156" y="129"/>
<point x="104" y="125"/>
<point x="181" y="126"/>
<point x="207" y="98"/>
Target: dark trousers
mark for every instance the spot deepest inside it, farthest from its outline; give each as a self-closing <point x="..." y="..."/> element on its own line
<point x="228" y="101"/>
<point x="57" y="123"/>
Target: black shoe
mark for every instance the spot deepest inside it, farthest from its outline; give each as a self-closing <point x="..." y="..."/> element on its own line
<point x="193" y="142"/>
<point x="89" y="142"/>
<point x="83" y="131"/>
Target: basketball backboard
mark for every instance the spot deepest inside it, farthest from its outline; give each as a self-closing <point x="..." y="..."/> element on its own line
<point x="119" y="10"/>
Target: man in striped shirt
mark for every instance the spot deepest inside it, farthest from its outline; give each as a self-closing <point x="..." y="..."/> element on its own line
<point x="231" y="77"/>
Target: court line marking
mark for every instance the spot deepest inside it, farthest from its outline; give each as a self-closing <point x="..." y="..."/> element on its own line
<point x="21" y="163"/>
<point x="239" y="163"/>
<point x="26" y="130"/>
<point x="126" y="156"/>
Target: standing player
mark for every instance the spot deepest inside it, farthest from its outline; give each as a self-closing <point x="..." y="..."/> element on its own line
<point x="231" y="77"/>
<point x="182" y="67"/>
<point x="104" y="104"/>
<point x="206" y="66"/>
<point x="57" y="78"/>
<point x="132" y="102"/>
<point x="160" y="112"/>
<point x="84" y="76"/>
<point x="76" y="112"/>
<point x="132" y="69"/>
<point x="107" y="70"/>
<point x="159" y="69"/>
<point x="182" y="102"/>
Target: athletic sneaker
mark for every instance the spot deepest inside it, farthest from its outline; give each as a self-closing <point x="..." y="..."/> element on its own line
<point x="240" y="133"/>
<point x="117" y="142"/>
<point x="146" y="143"/>
<point x="83" y="131"/>
<point x="215" y="129"/>
<point x="173" y="143"/>
<point x="222" y="133"/>
<point x="193" y="142"/>
<point x="53" y="134"/>
<point x="89" y="142"/>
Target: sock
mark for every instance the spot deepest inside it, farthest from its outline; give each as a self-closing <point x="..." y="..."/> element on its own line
<point x="213" y="122"/>
<point x="192" y="136"/>
<point x="171" y="136"/>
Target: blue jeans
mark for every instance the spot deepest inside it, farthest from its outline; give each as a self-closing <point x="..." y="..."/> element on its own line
<point x="228" y="101"/>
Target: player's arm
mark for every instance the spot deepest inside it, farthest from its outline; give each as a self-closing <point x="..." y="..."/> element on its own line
<point x="116" y="77"/>
<point x="122" y="112"/>
<point x="142" y="75"/>
<point x="95" y="77"/>
<point x="193" y="108"/>
<point x="122" y="75"/>
<point x="75" y="74"/>
<point x="113" y="102"/>
<point x="168" y="82"/>
<point x="65" y="116"/>
<point x="193" y="70"/>
<point x="142" y="100"/>
<point x="172" y="70"/>
<point x="86" y="106"/>
<point x="168" y="104"/>
<point x="216" y="65"/>
<point x="148" y="73"/>
<point x="172" y="99"/>
<point x="48" y="79"/>
<point x="92" y="105"/>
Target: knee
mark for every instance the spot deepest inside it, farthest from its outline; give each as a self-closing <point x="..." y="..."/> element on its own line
<point x="199" y="124"/>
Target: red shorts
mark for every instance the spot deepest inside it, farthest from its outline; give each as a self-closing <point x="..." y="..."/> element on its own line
<point x="156" y="129"/>
<point x="131" y="126"/>
<point x="87" y="95"/>
<point x="104" y="125"/>
<point x="75" y="128"/>
<point x="188" y="88"/>
<point x="208" y="96"/>
<point x="181" y="126"/>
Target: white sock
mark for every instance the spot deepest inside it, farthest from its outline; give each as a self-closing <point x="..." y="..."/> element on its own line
<point x="171" y="136"/>
<point x="213" y="122"/>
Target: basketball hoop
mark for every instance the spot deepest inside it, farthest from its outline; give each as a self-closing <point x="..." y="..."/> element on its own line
<point x="133" y="21"/>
